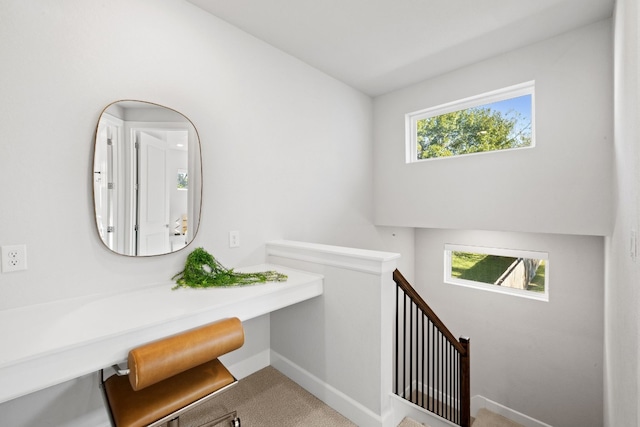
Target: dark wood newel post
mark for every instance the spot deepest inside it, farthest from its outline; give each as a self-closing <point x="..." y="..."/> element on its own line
<point x="465" y="384"/>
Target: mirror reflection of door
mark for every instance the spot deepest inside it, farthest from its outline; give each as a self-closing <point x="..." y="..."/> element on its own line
<point x="162" y="201"/>
<point x="147" y="179"/>
<point x="153" y="195"/>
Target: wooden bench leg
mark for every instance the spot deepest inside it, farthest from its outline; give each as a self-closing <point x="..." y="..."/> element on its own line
<point x="174" y="422"/>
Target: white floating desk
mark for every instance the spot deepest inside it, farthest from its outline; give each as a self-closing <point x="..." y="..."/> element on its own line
<point x="47" y="344"/>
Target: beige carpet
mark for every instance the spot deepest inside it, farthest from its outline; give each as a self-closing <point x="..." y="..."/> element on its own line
<point x="486" y="418"/>
<point x="267" y="398"/>
<point x="408" y="422"/>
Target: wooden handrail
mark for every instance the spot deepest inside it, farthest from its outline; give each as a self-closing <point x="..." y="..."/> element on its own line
<point x="462" y="346"/>
<point x="408" y="289"/>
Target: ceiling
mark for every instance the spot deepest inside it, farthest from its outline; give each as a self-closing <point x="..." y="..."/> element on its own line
<point x="377" y="46"/>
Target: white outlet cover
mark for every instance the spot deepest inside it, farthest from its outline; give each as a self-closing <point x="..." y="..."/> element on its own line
<point x="14" y="258"/>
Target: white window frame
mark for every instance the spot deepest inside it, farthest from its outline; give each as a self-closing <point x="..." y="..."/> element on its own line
<point x="411" y="119"/>
<point x="448" y="278"/>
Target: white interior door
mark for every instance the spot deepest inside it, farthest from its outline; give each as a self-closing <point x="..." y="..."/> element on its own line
<point x="153" y="199"/>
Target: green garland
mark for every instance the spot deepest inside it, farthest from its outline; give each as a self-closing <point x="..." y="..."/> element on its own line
<point x="202" y="270"/>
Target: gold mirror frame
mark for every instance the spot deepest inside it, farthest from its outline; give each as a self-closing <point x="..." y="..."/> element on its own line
<point x="147" y="179"/>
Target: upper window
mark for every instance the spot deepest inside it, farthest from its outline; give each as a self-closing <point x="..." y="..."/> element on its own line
<point x="515" y="272"/>
<point x="499" y="120"/>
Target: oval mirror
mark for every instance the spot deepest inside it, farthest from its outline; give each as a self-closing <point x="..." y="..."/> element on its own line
<point x="147" y="179"/>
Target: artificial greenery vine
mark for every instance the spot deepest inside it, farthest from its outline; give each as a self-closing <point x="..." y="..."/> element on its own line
<point x="202" y="270"/>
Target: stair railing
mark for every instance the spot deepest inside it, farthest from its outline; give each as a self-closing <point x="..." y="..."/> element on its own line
<point x="432" y="367"/>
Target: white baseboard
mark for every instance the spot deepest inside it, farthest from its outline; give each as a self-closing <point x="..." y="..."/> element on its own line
<point x="353" y="410"/>
<point x="403" y="408"/>
<point x="249" y="365"/>
<point x="478" y="402"/>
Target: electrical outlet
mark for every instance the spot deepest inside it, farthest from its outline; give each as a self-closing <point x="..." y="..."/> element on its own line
<point x="14" y="258"/>
<point x="234" y="239"/>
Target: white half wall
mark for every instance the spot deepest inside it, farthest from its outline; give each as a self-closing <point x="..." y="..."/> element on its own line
<point x="563" y="185"/>
<point x="339" y="345"/>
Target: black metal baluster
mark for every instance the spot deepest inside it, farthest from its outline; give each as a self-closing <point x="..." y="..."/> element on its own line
<point x="418" y="356"/>
<point x="404" y="347"/>
<point x="435" y="372"/>
<point x="447" y="379"/>
<point x="450" y="381"/>
<point x="458" y="387"/>
<point x="430" y="353"/>
<point x="410" y="351"/>
<point x="422" y="360"/>
<point x="397" y="321"/>
<point x="418" y="311"/>
<point x="437" y="389"/>
<point x="449" y="372"/>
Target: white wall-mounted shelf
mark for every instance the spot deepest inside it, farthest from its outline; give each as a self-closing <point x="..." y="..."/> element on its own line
<point x="47" y="344"/>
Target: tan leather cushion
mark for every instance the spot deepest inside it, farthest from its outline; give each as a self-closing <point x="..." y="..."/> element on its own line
<point x="170" y="356"/>
<point x="139" y="408"/>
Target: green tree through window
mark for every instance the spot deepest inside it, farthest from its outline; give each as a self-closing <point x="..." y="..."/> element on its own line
<point x="469" y="131"/>
<point x="494" y="121"/>
<point x="473" y="130"/>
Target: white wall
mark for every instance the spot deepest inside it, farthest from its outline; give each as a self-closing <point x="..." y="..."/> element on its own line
<point x="561" y="186"/>
<point x="622" y="298"/>
<point x="543" y="359"/>
<point x="286" y="149"/>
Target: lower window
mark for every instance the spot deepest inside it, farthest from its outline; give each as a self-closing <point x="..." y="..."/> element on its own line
<point x="514" y="272"/>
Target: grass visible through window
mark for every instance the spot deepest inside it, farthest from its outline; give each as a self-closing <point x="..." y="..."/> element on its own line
<point x="489" y="269"/>
<point x="479" y="267"/>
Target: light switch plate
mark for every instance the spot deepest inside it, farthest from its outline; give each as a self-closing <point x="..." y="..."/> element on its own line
<point x="234" y="239"/>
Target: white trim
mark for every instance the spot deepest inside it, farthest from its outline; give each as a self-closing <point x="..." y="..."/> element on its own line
<point x="403" y="408"/>
<point x="537" y="296"/>
<point x="411" y="119"/>
<point x="515" y="253"/>
<point x="362" y="260"/>
<point x="248" y="365"/>
<point x="355" y="411"/>
<point x="431" y="392"/>
<point x="526" y="88"/>
<point x="478" y="402"/>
